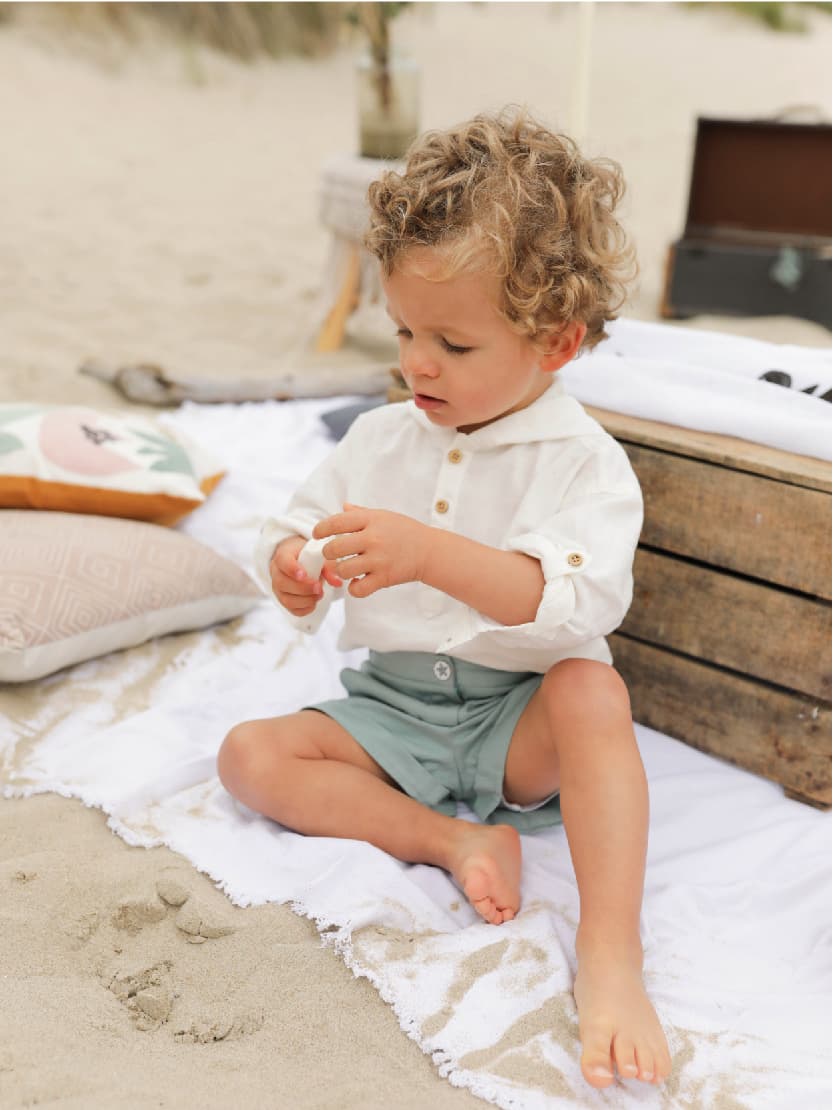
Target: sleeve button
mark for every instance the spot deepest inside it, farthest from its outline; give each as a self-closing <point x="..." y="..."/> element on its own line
<point x="574" y="559"/>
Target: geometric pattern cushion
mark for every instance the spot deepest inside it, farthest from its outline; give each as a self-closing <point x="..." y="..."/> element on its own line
<point x="73" y="587"/>
<point x="81" y="460"/>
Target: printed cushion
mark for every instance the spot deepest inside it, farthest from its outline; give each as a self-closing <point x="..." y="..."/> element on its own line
<point x="73" y="587"/>
<point x="80" y="460"/>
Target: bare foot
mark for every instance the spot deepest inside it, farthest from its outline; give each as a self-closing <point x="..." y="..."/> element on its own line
<point x="486" y="862"/>
<point x="617" y="1022"/>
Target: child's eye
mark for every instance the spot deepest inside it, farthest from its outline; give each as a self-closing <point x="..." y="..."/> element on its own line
<point x="455" y="350"/>
<point x="403" y="333"/>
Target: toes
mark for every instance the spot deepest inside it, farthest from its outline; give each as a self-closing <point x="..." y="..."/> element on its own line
<point x="596" y="1063"/>
<point x="624" y="1053"/>
<point x="492" y="913"/>
<point x="645" y="1060"/>
<point x="486" y="908"/>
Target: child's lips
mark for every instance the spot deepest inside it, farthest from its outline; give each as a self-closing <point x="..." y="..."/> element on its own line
<point x="425" y="401"/>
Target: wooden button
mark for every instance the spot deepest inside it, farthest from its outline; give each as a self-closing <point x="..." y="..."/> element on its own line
<point x="574" y="559"/>
<point x="455" y="456"/>
<point x="441" y="506"/>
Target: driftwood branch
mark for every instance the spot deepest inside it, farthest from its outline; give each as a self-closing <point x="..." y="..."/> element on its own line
<point x="151" y="385"/>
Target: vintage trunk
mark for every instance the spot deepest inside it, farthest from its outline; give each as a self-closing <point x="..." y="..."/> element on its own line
<point x="727" y="642"/>
<point x="757" y="234"/>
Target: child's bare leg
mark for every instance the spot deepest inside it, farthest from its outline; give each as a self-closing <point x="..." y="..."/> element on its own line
<point x="580" y="721"/>
<point x="307" y="772"/>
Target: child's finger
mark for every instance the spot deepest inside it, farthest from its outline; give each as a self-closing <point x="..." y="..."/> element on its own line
<point x="363" y="587"/>
<point x="287" y="564"/>
<point x="284" y="584"/>
<point x="311" y="589"/>
<point x="354" y="566"/>
<point x="299" y="610"/>
<point x="329" y="575"/>
<point x="343" y="546"/>
<point x="293" y="600"/>
<point x="352" y="521"/>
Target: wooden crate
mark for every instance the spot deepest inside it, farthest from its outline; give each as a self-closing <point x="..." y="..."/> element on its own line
<point x="727" y="642"/>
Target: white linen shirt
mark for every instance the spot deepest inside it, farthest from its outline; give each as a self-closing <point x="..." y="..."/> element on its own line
<point x="547" y="481"/>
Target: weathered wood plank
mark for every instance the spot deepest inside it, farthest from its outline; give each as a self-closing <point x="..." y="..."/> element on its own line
<point x="737" y="454"/>
<point x="759" y="630"/>
<point x="756" y="526"/>
<point x="782" y="736"/>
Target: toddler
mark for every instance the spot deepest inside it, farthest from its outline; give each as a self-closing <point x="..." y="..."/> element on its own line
<point x="482" y="536"/>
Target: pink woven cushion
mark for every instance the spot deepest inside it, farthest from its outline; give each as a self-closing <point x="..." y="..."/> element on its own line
<point x="73" y="587"/>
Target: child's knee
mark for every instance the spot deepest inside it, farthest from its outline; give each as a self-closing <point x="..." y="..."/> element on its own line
<point x="597" y="688"/>
<point x="239" y="754"/>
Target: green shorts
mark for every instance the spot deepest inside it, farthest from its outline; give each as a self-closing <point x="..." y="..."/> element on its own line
<point x="441" y="729"/>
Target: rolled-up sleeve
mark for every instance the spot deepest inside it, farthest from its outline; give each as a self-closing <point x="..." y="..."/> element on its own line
<point x="586" y="552"/>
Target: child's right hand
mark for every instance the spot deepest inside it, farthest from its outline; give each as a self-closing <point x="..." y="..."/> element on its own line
<point x="295" y="590"/>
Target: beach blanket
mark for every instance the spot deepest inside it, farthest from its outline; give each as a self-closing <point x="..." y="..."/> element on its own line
<point x="736" y="920"/>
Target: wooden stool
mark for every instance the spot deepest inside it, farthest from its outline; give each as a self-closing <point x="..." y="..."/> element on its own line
<point x="352" y="275"/>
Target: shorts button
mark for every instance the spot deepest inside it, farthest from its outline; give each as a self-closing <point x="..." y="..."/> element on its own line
<point x="441" y="506"/>
<point x="442" y="670"/>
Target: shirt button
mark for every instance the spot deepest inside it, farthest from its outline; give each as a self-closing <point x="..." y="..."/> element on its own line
<point x="441" y="506"/>
<point x="574" y="559"/>
<point x="455" y="456"/>
<point x="442" y="670"/>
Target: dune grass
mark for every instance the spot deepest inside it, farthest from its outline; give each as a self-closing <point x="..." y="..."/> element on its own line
<point x="248" y="31"/>
<point x="777" y="15"/>
<point x="243" y="30"/>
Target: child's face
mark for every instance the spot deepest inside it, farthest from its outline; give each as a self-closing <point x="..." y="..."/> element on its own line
<point x="462" y="360"/>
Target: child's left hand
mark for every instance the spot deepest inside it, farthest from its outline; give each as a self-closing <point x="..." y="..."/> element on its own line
<point x="386" y="548"/>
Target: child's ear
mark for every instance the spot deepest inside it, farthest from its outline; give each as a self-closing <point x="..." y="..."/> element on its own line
<point x="562" y="346"/>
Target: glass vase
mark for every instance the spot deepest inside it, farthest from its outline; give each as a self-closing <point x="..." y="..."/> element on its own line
<point x="388" y="103"/>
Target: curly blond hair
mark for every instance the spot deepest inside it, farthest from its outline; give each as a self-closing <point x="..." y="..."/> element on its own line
<point x="503" y="193"/>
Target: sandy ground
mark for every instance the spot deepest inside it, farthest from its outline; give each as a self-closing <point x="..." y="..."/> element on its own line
<point x="161" y="204"/>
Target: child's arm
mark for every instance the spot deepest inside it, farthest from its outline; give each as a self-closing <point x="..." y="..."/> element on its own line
<point x="504" y="585"/>
<point x="388" y="549"/>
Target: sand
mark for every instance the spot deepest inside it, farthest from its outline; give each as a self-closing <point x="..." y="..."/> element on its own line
<point x="160" y="204"/>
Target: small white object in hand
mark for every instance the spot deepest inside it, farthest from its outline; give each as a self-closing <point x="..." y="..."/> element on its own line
<point x="311" y="557"/>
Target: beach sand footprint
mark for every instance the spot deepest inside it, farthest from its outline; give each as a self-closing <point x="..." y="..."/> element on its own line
<point x="199" y="923"/>
<point x="146" y="990"/>
<point x="147" y="977"/>
<point x="208" y="1025"/>
<point x="131" y="915"/>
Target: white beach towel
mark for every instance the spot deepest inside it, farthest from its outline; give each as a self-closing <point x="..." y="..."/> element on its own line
<point x="712" y="383"/>
<point x="736" y="920"/>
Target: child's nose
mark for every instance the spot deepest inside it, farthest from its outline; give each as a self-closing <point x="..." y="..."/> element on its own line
<point x="419" y="363"/>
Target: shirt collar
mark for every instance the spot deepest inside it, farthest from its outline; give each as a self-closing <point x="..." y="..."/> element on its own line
<point x="553" y="415"/>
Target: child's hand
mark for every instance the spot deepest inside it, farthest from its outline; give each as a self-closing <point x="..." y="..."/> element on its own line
<point x="294" y="589"/>
<point x="385" y="548"/>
